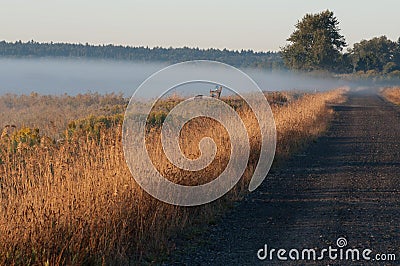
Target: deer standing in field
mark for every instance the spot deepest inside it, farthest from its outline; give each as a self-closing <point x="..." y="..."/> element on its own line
<point x="216" y="93"/>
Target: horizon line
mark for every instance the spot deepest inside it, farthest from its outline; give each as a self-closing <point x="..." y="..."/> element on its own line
<point x="139" y="46"/>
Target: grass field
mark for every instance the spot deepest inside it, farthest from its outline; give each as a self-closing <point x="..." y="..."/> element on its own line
<point x="67" y="196"/>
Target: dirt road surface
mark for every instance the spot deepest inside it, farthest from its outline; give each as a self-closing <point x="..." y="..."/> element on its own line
<point x="346" y="185"/>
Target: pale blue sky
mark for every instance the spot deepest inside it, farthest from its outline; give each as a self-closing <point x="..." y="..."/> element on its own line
<point x="251" y="24"/>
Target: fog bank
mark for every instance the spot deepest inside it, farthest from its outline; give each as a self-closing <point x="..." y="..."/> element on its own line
<point x="73" y="76"/>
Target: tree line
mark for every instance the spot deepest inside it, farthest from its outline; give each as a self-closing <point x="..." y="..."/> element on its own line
<point x="317" y="45"/>
<point x="243" y="58"/>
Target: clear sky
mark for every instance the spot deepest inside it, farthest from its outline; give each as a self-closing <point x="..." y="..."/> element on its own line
<point x="251" y="24"/>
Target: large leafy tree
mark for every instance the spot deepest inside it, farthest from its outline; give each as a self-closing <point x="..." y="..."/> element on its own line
<point x="378" y="54"/>
<point x="396" y="56"/>
<point x="316" y="44"/>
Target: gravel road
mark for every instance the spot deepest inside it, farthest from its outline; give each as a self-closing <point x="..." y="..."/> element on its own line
<point x="346" y="185"/>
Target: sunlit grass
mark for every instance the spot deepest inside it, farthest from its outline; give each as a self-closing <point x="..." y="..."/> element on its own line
<point x="75" y="202"/>
<point x="392" y="94"/>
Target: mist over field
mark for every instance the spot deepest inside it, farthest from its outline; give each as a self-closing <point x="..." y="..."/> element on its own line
<point x="283" y="81"/>
<point x="73" y="76"/>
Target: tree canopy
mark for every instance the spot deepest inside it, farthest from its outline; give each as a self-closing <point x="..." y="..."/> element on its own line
<point x="316" y="44"/>
<point x="379" y="54"/>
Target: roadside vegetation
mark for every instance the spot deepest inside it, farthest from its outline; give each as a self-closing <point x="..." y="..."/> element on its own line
<point x="392" y="94"/>
<point x="73" y="201"/>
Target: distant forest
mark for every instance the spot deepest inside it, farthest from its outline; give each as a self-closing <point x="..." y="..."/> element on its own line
<point x="243" y="58"/>
<point x="377" y="58"/>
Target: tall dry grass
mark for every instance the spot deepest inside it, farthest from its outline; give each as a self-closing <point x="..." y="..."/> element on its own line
<point x="392" y="94"/>
<point x="76" y="203"/>
<point x="303" y="120"/>
<point x="51" y="114"/>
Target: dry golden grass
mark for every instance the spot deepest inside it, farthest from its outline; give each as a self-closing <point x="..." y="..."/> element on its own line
<point x="301" y="121"/>
<point x="51" y="114"/>
<point x="392" y="94"/>
<point x="76" y="203"/>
